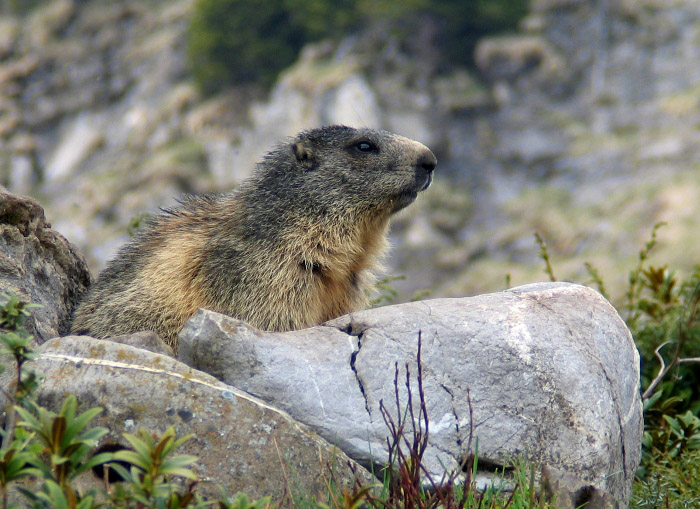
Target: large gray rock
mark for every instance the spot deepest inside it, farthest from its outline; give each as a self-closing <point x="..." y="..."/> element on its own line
<point x="242" y="443"/>
<point x="551" y="370"/>
<point x="39" y="265"/>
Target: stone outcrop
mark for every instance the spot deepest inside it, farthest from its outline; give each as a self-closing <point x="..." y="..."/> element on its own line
<point x="550" y="370"/>
<point x="242" y="443"/>
<point x="39" y="265"/>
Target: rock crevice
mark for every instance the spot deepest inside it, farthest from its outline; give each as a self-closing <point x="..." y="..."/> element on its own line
<point x="360" y="385"/>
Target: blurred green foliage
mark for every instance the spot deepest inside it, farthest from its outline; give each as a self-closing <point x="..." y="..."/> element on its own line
<point x="234" y="41"/>
<point x="240" y="41"/>
<point x="464" y="22"/>
<point x="20" y="7"/>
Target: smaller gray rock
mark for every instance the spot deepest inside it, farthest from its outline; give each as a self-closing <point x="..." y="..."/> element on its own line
<point x="39" y="265"/>
<point x="145" y="340"/>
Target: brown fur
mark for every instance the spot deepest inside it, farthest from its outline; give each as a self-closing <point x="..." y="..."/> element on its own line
<point x="293" y="247"/>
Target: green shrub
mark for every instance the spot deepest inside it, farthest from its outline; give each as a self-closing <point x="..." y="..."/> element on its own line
<point x="243" y="41"/>
<point x="60" y="450"/>
<point x="464" y="22"/>
<point x="239" y="41"/>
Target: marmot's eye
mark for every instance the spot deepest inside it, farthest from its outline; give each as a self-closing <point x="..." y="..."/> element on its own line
<point x="366" y="147"/>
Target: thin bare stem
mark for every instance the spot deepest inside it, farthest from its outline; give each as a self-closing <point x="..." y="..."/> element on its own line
<point x="423" y="413"/>
<point x="287" y="487"/>
<point x="682" y="339"/>
<point x="661" y="374"/>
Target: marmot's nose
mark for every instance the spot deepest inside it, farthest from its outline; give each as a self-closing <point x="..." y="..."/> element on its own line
<point x="427" y="160"/>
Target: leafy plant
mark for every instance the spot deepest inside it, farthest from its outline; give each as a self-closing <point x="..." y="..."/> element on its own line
<point x="240" y="501"/>
<point x="680" y="433"/>
<point x="65" y="443"/>
<point x="55" y="448"/>
<point x="152" y="467"/>
<point x="14" y="312"/>
<point x="14" y="466"/>
<point x="15" y="341"/>
<point x="663" y="314"/>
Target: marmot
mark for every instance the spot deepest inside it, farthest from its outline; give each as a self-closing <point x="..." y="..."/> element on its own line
<point x="292" y="247"/>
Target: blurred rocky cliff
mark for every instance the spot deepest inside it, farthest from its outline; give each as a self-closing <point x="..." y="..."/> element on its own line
<point x="584" y="127"/>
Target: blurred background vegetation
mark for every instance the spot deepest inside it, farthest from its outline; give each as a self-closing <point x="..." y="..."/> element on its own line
<point x="18" y="6"/>
<point x="240" y="41"/>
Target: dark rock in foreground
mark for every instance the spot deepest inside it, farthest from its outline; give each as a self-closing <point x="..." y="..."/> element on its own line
<point x="39" y="265"/>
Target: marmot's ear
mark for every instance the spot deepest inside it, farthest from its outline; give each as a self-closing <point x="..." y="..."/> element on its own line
<point x="304" y="154"/>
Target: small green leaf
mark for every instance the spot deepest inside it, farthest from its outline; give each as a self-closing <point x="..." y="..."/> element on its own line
<point x="28" y="419"/>
<point x="97" y="459"/>
<point x="76" y="425"/>
<point x="141" y="447"/>
<point x="123" y="472"/>
<point x="132" y="458"/>
<point x="182" y="472"/>
<point x="53" y="494"/>
<point x="91" y="436"/>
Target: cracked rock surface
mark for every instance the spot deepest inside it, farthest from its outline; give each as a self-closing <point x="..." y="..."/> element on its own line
<point x="551" y="371"/>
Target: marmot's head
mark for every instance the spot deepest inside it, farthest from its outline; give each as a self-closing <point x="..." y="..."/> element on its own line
<point x="342" y="170"/>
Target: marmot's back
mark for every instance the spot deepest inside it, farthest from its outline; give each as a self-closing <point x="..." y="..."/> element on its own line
<point x="293" y="247"/>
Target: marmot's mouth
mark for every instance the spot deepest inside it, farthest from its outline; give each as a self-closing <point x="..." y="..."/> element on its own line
<point x="403" y="200"/>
